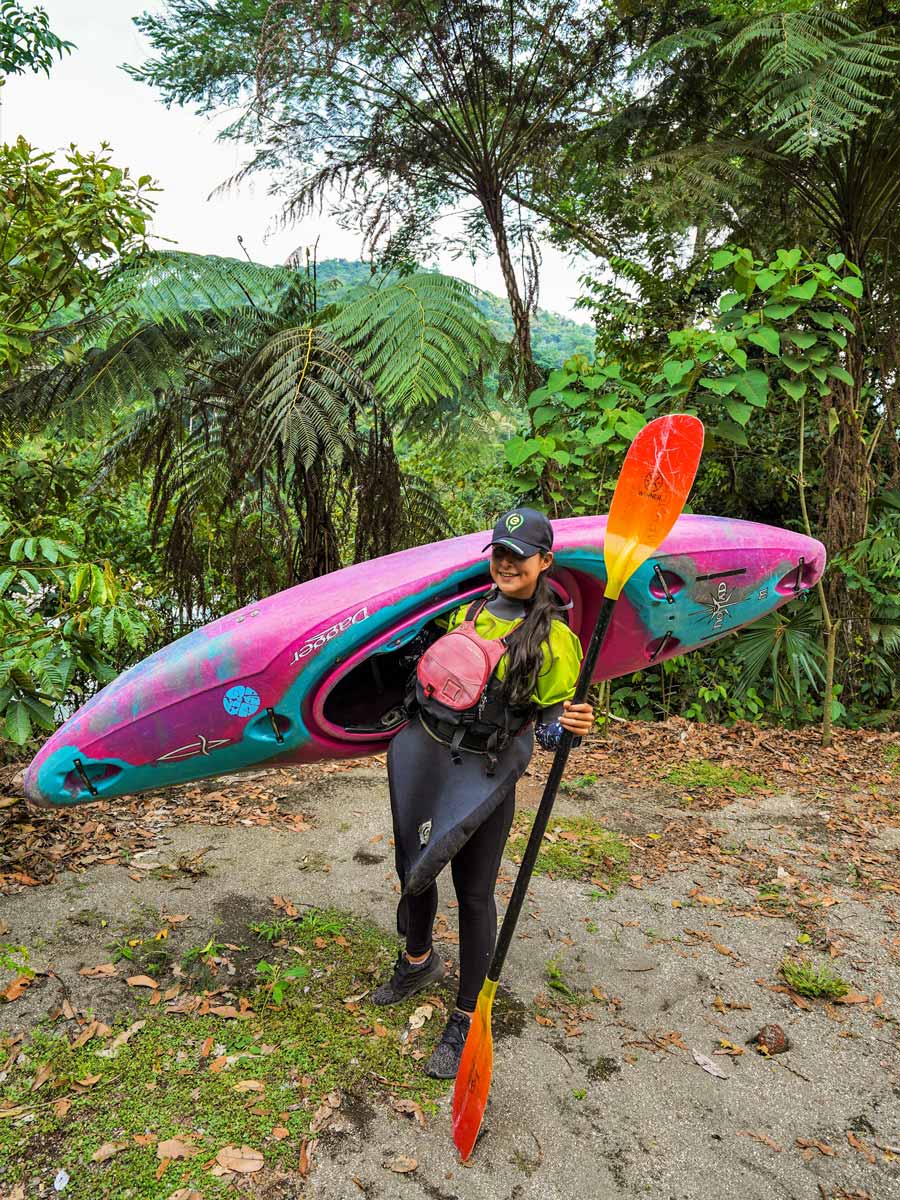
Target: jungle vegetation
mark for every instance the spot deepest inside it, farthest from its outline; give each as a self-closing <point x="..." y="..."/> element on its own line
<point x="180" y="434"/>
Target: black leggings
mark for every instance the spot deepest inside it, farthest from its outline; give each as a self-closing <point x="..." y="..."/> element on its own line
<point x="474" y="870"/>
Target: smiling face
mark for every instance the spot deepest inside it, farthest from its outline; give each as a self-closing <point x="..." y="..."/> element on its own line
<point x="517" y="577"/>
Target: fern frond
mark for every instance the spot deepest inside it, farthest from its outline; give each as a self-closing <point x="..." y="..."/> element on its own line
<point x="417" y="340"/>
<point x="819" y="77"/>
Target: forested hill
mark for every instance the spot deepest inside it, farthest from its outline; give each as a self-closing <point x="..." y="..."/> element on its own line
<point x="554" y="338"/>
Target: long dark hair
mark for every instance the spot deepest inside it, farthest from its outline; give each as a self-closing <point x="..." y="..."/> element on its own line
<point x="525" y="655"/>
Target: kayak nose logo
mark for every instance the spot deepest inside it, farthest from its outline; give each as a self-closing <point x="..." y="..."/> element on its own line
<point x="513" y="521"/>
<point x="424" y="833"/>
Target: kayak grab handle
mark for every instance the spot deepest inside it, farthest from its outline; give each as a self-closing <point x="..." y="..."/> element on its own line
<point x="273" y="720"/>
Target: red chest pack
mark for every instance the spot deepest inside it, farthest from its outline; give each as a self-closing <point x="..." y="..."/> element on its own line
<point x="455" y="671"/>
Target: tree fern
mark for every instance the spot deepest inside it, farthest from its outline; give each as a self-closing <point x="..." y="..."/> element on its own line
<point x="418" y="341"/>
<point x="819" y="76"/>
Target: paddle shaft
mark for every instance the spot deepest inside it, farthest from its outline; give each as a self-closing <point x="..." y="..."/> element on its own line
<point x="548" y="799"/>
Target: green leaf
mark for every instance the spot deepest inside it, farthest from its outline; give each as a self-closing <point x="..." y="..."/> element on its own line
<point x="558" y="380"/>
<point x="836" y="261"/>
<point x="729" y="300"/>
<point x="738" y="356"/>
<point x="851" y="285"/>
<point x="753" y="385"/>
<point x="42" y="713"/>
<point x="794" y="388"/>
<point x="16" y="550"/>
<point x="739" y="412"/>
<point x="722" y="259"/>
<point x="675" y="370"/>
<point x="789" y="258"/>
<point x="837" y="372"/>
<point x="18" y="723"/>
<point x="767" y="337"/>
<point x="563" y="457"/>
<point x="795" y="362"/>
<point x="824" y="319"/>
<point x="6" y="578"/>
<point x="819" y="373"/>
<point x="723" y="385"/>
<point x="518" y="450"/>
<point x="630" y="424"/>
<point x="833" y="421"/>
<point x="844" y="321"/>
<point x="802" y="339"/>
<point x="49" y="549"/>
<point x="731" y="433"/>
<point x="30" y="548"/>
<point x="543" y="415"/>
<point x="778" y="312"/>
<point x="765" y="279"/>
<point x="803" y="291"/>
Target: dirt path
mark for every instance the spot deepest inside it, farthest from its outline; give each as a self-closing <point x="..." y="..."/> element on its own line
<point x="597" y="1091"/>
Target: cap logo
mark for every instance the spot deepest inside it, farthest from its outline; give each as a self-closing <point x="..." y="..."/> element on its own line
<point x="513" y="521"/>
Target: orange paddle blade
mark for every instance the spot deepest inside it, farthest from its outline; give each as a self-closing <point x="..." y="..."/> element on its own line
<point x="656" y="478"/>
<point x="473" y="1079"/>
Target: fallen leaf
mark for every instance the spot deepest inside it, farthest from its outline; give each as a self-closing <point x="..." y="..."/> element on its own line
<point x="244" y="1160"/>
<point x="120" y="1040"/>
<point x="814" y="1143"/>
<point x="107" y="1150"/>
<point x="280" y="1132"/>
<point x="143" y="1139"/>
<point x="44" y="1073"/>
<point x="250" y="1085"/>
<point x="306" y="1153"/>
<point x="410" y="1107"/>
<point x="62" y="1106"/>
<point x="422" y="1014"/>
<point x="15" y="989"/>
<point x="760" y="1137"/>
<point x="852" y="998"/>
<point x="186" y="1194"/>
<point x="85" y="1036"/>
<point x="176" y="1148"/>
<point x="401" y="1164"/>
<point x="102" y="969"/>
<point x="142" y="981"/>
<point x="708" y="1065"/>
<point x="861" y="1146"/>
<point x="88" y="1081"/>
<point x="206" y="1048"/>
<point x="224" y="1010"/>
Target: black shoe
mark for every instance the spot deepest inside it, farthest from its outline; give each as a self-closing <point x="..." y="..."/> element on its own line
<point x="444" y="1061"/>
<point x="409" y="978"/>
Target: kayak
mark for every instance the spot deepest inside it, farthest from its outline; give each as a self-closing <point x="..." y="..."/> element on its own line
<point x="319" y="670"/>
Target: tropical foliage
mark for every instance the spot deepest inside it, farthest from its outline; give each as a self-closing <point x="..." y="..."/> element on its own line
<point x="182" y="433"/>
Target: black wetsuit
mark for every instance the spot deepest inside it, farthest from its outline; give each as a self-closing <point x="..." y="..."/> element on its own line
<point x="471" y="814"/>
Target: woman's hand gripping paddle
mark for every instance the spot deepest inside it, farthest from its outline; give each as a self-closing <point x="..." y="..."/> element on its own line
<point x="652" y="488"/>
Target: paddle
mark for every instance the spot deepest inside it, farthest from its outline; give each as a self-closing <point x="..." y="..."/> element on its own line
<point x="651" y="490"/>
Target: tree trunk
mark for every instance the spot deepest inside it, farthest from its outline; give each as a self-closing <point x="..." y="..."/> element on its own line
<point x="847" y="484"/>
<point x="519" y="308"/>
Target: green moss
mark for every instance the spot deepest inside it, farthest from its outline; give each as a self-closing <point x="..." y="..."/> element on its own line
<point x="311" y="1044"/>
<point x="816" y="982"/>
<point x="699" y="772"/>
<point x="577" y="848"/>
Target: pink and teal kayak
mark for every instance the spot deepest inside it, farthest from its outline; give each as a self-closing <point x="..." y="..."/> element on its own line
<point x="318" y="671"/>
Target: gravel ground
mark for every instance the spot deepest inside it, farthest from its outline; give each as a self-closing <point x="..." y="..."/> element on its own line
<point x="612" y="1104"/>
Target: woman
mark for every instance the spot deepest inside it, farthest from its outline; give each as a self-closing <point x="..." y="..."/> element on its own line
<point x="453" y="789"/>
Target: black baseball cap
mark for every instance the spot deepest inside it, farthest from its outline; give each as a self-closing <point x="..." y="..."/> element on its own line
<point x="525" y="531"/>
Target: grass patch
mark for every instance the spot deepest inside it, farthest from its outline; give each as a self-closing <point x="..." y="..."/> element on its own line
<point x="309" y="1033"/>
<point x="892" y="758"/>
<point x="818" y="983"/>
<point x="574" y="848"/>
<point x="700" y="773"/>
<point x="579" y="784"/>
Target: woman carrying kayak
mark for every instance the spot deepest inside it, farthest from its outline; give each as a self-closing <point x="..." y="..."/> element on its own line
<point x="453" y="769"/>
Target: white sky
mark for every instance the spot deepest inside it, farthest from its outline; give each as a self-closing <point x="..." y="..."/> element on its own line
<point x="88" y="100"/>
